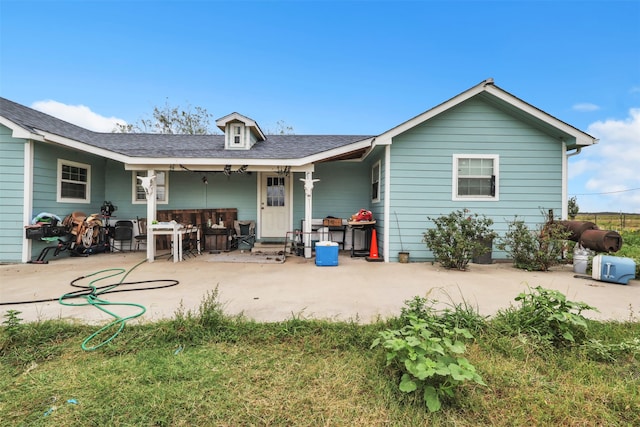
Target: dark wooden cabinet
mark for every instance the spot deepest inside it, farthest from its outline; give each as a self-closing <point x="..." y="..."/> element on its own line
<point x="217" y="239"/>
<point x="200" y="218"/>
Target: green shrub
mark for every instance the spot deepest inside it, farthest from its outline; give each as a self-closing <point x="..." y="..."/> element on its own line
<point x="458" y="237"/>
<point x="631" y="248"/>
<point x="426" y="349"/>
<point x="534" y="250"/>
<point x="428" y="355"/>
<point x="545" y="314"/>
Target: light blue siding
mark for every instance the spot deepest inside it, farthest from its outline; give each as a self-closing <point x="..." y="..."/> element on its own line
<point x="45" y="176"/>
<point x="530" y="172"/>
<point x="343" y="189"/>
<point x="377" y="208"/>
<point x="11" y="196"/>
<point x="186" y="191"/>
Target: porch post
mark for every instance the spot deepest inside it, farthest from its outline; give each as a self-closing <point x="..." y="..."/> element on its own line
<point x="387" y="203"/>
<point x="308" y="211"/>
<point x="150" y="192"/>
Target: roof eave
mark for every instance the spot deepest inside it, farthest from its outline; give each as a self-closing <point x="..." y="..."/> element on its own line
<point x="487" y="86"/>
<point x="81" y="146"/>
<point x="221" y="162"/>
<point x="19" y="132"/>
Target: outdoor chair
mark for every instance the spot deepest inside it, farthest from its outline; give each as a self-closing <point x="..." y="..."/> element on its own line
<point x="141" y="237"/>
<point x="190" y="241"/>
<point x="245" y="234"/>
<point x="123" y="232"/>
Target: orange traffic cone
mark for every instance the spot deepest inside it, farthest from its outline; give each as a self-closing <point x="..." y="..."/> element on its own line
<point x="373" y="250"/>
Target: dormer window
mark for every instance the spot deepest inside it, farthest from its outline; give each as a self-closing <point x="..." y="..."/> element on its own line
<point x="241" y="133"/>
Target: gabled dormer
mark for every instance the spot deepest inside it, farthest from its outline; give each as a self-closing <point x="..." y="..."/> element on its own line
<point x="240" y="132"/>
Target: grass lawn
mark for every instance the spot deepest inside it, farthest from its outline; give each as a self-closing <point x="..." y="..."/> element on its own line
<point x="205" y="368"/>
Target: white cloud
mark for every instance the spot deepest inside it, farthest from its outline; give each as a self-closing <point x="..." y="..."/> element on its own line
<point x="611" y="166"/>
<point x="585" y="107"/>
<point x="580" y="166"/>
<point x="79" y="115"/>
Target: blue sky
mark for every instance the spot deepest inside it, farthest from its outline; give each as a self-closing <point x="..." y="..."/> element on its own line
<point x="347" y="67"/>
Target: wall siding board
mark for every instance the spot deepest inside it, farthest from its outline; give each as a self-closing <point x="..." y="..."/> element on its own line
<point x="343" y="189"/>
<point x="185" y="191"/>
<point x="530" y="177"/>
<point x="45" y="164"/>
<point x="11" y="195"/>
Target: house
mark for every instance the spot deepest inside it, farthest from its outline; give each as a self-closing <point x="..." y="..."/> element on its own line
<point x="484" y="150"/>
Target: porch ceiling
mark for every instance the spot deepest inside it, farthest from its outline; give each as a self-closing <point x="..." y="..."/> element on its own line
<point x="352" y="155"/>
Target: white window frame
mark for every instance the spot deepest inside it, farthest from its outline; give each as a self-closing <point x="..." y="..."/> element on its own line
<point x="375" y="180"/>
<point x="237" y="133"/>
<point x="135" y="184"/>
<point x="496" y="174"/>
<point x="87" y="184"/>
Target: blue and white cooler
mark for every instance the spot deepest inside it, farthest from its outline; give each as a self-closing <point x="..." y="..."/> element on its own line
<point x="613" y="269"/>
<point x="326" y="254"/>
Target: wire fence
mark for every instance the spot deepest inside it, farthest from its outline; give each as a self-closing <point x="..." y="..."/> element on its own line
<point x="612" y="221"/>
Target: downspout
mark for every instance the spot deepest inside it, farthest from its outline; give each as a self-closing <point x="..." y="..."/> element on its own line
<point x="387" y="201"/>
<point x="565" y="177"/>
<point x="27" y="197"/>
<point x="575" y="153"/>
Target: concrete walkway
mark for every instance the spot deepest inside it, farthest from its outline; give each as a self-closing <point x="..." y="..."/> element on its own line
<point x="353" y="290"/>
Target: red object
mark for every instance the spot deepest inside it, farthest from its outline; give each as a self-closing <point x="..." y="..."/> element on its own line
<point x="373" y="251"/>
<point x="364" y="215"/>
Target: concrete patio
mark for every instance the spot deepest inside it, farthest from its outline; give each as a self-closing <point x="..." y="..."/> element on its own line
<point x="353" y="290"/>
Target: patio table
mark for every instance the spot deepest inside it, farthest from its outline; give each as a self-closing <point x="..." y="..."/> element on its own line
<point x="177" y="232"/>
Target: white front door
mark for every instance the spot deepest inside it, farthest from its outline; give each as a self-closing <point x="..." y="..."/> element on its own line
<point x="274" y="206"/>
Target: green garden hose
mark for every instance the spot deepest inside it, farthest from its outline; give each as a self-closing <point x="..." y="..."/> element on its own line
<point x="91" y="293"/>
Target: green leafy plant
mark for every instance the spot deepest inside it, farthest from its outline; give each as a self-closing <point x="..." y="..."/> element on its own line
<point x="631" y="248"/>
<point x="12" y="324"/>
<point x="421" y="307"/>
<point x="454" y="315"/>
<point x="612" y="352"/>
<point x="546" y="314"/>
<point x="428" y="355"/>
<point x="534" y="250"/>
<point x="458" y="237"/>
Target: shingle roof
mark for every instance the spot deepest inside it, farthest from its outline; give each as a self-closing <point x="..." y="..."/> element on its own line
<point x="174" y="146"/>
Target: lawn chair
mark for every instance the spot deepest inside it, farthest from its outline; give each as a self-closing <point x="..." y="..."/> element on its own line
<point x="245" y="235"/>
